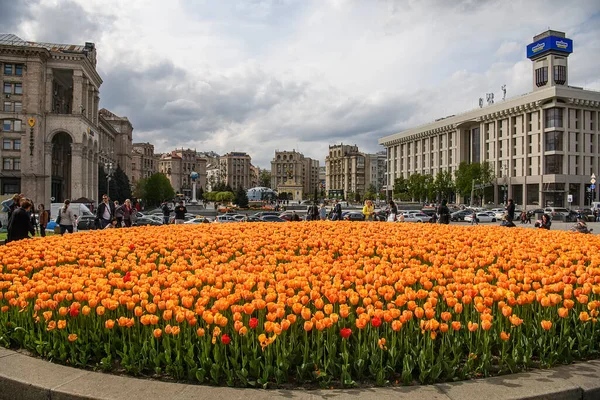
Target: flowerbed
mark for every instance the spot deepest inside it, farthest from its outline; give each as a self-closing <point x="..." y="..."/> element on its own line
<point x="328" y="303"/>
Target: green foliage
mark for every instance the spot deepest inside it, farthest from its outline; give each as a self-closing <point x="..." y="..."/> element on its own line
<point x="120" y="188"/>
<point x="224" y="197"/>
<point x="101" y="182"/>
<point x="401" y="189"/>
<point x="481" y="174"/>
<point x="241" y="197"/>
<point x="157" y="188"/>
<point x="443" y="185"/>
<point x="265" y="178"/>
<point x="140" y="187"/>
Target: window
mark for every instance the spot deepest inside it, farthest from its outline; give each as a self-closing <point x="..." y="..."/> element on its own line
<point x="17" y="125"/>
<point x="553" y="141"/>
<point x="554" y="164"/>
<point x="7" y="106"/>
<point x="7" y="163"/>
<point x="541" y="76"/>
<point x="18" y="88"/>
<point x="17" y="164"/>
<point x="7" y="144"/>
<point x="8" y="69"/>
<point x="7" y="125"/>
<point x="560" y="74"/>
<point x="554" y="117"/>
<point x="18" y="106"/>
<point x="19" y="70"/>
<point x="476" y="145"/>
<point x="7" y="88"/>
<point x="17" y="144"/>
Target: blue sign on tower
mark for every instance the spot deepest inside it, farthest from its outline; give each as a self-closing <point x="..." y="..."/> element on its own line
<point x="549" y="43"/>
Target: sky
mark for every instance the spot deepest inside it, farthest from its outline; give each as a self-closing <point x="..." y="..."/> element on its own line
<point x="265" y="75"/>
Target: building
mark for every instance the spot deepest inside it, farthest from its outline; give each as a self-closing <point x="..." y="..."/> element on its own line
<point x="53" y="136"/>
<point x="294" y="166"/>
<point x="543" y="146"/>
<point x="178" y="166"/>
<point x="348" y="172"/>
<point x="378" y="171"/>
<point x="235" y="170"/>
<point x="254" y="175"/>
<point x="121" y="131"/>
<point x="144" y="163"/>
<point x="213" y="176"/>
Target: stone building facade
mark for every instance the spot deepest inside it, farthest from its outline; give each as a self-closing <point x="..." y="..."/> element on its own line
<point x="348" y="171"/>
<point x="53" y="135"/>
<point x="235" y="170"/>
<point x="544" y="145"/>
<point x="144" y="163"/>
<point x="178" y="166"/>
<point x="294" y="166"/>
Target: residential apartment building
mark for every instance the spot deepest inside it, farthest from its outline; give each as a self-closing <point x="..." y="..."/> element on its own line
<point x="544" y="145"/>
<point x="144" y="163"/>
<point x="178" y="166"/>
<point x="294" y="166"/>
<point x="235" y="170"/>
<point x="348" y="171"/>
<point x="378" y="170"/>
<point x="53" y="136"/>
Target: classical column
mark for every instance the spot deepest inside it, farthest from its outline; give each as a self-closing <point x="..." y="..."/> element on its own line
<point x="77" y="92"/>
<point x="95" y="106"/>
<point x="84" y="181"/>
<point x="49" y="89"/>
<point x="95" y="193"/>
<point x="76" y="170"/>
<point x="47" y="174"/>
<point x="90" y="176"/>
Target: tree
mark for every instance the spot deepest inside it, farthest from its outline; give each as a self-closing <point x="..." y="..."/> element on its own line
<point x="101" y="182"/>
<point x="140" y="188"/>
<point x="265" y="178"/>
<point x="120" y="187"/>
<point x="474" y="175"/>
<point x="357" y="197"/>
<point x="225" y="197"/>
<point x="416" y="187"/>
<point x="157" y="189"/>
<point x="241" y="197"/>
<point x="443" y="185"/>
<point x="401" y="188"/>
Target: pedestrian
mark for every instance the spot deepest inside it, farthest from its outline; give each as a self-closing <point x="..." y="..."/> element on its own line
<point x="66" y="219"/>
<point x="44" y="218"/>
<point x="474" y="219"/>
<point x="337" y="211"/>
<point x="295" y="217"/>
<point x="544" y="223"/>
<point x="180" y="212"/>
<point x="393" y="216"/>
<point x="127" y="212"/>
<point x="112" y="224"/>
<point x="315" y="212"/>
<point x="118" y="214"/>
<point x="523" y="217"/>
<point x="444" y="213"/>
<point x="105" y="212"/>
<point x="19" y="226"/>
<point x="368" y="210"/>
<point x="510" y="209"/>
<point x="322" y="212"/>
<point x="506" y="221"/>
<point x="166" y="211"/>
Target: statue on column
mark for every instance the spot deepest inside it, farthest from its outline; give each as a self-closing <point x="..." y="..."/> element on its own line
<point x="194" y="176"/>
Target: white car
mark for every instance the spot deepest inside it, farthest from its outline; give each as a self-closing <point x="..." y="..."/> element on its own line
<point x="482" y="217"/>
<point x="198" y="220"/>
<point x="414" y="217"/>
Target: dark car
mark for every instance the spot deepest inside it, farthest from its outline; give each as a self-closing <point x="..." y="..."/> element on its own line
<point x="533" y="213"/>
<point x="261" y="214"/>
<point x="86" y="222"/>
<point x="147" y="221"/>
<point x="271" y="218"/>
<point x="353" y="216"/>
<point x="460" y="215"/>
<point x="586" y="214"/>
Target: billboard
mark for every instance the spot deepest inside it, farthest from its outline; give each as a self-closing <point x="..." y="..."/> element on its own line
<point x="549" y="43"/>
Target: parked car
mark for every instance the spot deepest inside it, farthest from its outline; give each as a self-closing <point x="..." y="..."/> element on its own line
<point x="221" y="219"/>
<point x="415" y="217"/>
<point x="147" y="221"/>
<point x="586" y="214"/>
<point x="534" y="213"/>
<point x="199" y="220"/>
<point x="482" y="217"/>
<point x="460" y="215"/>
<point x="263" y="213"/>
<point x="272" y="218"/>
<point x="86" y="222"/>
<point x="557" y="213"/>
<point x="353" y="216"/>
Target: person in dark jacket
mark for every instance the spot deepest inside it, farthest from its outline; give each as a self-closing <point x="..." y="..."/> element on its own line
<point x="166" y="211"/>
<point x="393" y="212"/>
<point x="180" y="212"/>
<point x="444" y="212"/>
<point x="336" y="212"/>
<point x="544" y="223"/>
<point x="105" y="212"/>
<point x="44" y="219"/>
<point x="510" y="209"/>
<point x="20" y="226"/>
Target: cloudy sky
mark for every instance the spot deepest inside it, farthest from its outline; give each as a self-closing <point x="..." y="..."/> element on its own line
<point x="261" y="75"/>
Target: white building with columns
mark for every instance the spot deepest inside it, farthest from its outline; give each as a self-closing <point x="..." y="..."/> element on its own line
<point x="53" y="136"/>
<point x="544" y="146"/>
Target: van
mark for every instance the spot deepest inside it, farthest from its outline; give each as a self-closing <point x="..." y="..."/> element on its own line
<point x="78" y="209"/>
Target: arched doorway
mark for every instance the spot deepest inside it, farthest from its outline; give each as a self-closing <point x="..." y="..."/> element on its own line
<point x="61" y="167"/>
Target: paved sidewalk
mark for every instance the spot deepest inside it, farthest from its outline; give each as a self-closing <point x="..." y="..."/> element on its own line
<point x="27" y="378"/>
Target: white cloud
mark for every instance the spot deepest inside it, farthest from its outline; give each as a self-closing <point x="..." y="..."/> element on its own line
<point x="262" y="75"/>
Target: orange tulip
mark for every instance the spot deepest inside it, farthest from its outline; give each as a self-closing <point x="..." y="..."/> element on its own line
<point x="546" y="325"/>
<point x="504" y="336"/>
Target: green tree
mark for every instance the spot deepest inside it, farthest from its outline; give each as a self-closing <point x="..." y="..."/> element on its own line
<point x="241" y="197"/>
<point x="401" y="188"/>
<point x="443" y="186"/>
<point x="473" y="175"/>
<point x="225" y="197"/>
<point x="140" y="189"/>
<point x="158" y="189"/>
<point x="265" y="178"/>
<point x="428" y="188"/>
<point x="416" y="187"/>
<point x="101" y="182"/>
<point x="120" y="187"/>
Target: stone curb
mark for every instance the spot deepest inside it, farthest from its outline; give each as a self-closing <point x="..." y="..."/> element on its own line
<point x="28" y="378"/>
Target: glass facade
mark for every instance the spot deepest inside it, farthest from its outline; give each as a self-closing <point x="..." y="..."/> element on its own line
<point x="475" y="145"/>
<point x="554" y="164"/>
<point x="554" y="117"/>
<point x="554" y="141"/>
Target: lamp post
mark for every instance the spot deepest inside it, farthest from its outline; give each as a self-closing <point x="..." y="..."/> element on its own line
<point x="108" y="167"/>
<point x="592" y="188"/>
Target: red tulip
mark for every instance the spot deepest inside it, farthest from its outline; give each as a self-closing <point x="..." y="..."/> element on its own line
<point x="127" y="277"/>
<point x="253" y="322"/>
<point x="73" y="312"/>
<point x="131" y="246"/>
<point x="225" y="339"/>
<point x="345" y="332"/>
<point x="376" y="322"/>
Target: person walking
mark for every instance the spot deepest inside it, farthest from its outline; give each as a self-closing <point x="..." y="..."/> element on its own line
<point x="19" y="226"/>
<point x="166" y="211"/>
<point x="444" y="213"/>
<point x="474" y="219"/>
<point x="393" y="216"/>
<point x="315" y="212"/>
<point x="180" y="212"/>
<point x="322" y="212"/>
<point x="66" y="219"/>
<point x="337" y="211"/>
<point x="127" y="211"/>
<point x="510" y="209"/>
<point x="368" y="210"/>
<point x="105" y="212"/>
<point x="118" y="214"/>
<point x="44" y="219"/>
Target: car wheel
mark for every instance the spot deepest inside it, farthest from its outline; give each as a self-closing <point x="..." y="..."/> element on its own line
<point x="493" y="219"/>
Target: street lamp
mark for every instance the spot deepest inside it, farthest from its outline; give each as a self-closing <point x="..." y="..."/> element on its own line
<point x="108" y="167"/>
